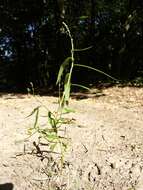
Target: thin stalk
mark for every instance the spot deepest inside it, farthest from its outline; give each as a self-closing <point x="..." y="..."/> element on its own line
<point x="72" y="61"/>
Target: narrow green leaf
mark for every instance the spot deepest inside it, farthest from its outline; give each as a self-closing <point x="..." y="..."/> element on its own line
<point x="99" y="71"/>
<point x="53" y="146"/>
<point x="83" y="17"/>
<point x="30" y="131"/>
<point x="53" y="121"/>
<point x="81" y="86"/>
<point x="62" y="68"/>
<point x="35" y="110"/>
<point x="68" y="110"/>
<point x="50" y="118"/>
<point x="52" y="137"/>
<point x="84" y="49"/>
<point x="36" y="118"/>
<point x="67" y="88"/>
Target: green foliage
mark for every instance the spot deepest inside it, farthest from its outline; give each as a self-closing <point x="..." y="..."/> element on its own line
<point x="81" y="86"/>
<point x="51" y="132"/>
<point x="62" y="68"/>
<point x="70" y="62"/>
<point x="67" y="88"/>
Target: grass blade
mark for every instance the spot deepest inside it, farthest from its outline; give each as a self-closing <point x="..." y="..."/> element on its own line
<point x="81" y="86"/>
<point x="84" y="49"/>
<point x="97" y="70"/>
<point x="62" y="68"/>
<point x="36" y="118"/>
<point x="67" y="88"/>
<point x="35" y="110"/>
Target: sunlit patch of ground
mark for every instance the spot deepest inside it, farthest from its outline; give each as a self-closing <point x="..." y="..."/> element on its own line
<point x="105" y="151"/>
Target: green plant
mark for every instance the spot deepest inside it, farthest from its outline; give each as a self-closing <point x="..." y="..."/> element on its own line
<point x="53" y="132"/>
<point x="70" y="63"/>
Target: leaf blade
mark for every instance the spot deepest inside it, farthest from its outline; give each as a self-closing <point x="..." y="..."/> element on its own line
<point x="62" y="68"/>
<point x="97" y="70"/>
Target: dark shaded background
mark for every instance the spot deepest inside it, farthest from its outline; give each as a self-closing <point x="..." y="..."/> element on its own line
<point x="33" y="42"/>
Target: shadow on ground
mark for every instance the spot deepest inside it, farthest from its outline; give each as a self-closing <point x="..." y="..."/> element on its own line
<point x="6" y="186"/>
<point x="96" y="91"/>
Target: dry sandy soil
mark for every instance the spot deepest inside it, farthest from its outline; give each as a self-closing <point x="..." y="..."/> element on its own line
<point x="105" y="150"/>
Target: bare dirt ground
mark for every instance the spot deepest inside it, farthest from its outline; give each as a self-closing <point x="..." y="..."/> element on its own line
<point x="105" y="150"/>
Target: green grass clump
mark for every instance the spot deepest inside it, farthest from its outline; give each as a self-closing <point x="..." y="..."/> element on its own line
<point x="55" y="120"/>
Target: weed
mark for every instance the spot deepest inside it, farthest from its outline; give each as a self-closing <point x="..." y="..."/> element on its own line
<point x="52" y="132"/>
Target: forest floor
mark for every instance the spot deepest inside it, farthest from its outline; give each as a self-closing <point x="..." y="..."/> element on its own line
<point x="105" y="150"/>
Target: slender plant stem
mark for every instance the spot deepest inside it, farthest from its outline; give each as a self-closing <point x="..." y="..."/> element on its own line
<point x="72" y="62"/>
